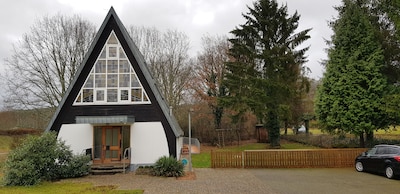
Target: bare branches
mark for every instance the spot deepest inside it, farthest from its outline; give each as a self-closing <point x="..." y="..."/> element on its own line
<point x="45" y="60"/>
<point x="167" y="56"/>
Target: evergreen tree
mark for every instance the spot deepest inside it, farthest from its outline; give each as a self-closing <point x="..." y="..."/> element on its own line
<point x="266" y="67"/>
<point x="350" y="98"/>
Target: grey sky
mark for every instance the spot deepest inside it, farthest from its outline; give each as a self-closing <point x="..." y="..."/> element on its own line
<point x="194" y="17"/>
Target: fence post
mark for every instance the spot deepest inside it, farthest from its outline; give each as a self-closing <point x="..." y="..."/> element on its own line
<point x="243" y="159"/>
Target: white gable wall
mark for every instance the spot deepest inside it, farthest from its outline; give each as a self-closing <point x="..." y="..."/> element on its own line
<point x="78" y="136"/>
<point x="148" y="143"/>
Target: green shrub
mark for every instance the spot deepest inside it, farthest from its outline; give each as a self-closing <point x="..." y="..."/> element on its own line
<point x="168" y="167"/>
<point x="42" y="158"/>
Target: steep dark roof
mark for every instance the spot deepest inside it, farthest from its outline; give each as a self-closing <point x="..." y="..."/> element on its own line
<point x="139" y="61"/>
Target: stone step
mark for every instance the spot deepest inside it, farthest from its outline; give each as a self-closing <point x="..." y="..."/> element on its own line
<point x="109" y="168"/>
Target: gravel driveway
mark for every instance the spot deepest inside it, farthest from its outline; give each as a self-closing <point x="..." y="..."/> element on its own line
<point x="285" y="181"/>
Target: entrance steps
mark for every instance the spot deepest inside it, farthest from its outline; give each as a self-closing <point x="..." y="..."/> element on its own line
<point x="109" y="168"/>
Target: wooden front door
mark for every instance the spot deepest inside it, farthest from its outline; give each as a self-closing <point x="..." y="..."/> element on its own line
<point x="107" y="143"/>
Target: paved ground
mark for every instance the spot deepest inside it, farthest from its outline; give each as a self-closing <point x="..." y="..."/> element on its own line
<point x="279" y="181"/>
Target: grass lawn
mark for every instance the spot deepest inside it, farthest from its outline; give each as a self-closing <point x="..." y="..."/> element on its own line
<point x="5" y="142"/>
<point x="66" y="187"/>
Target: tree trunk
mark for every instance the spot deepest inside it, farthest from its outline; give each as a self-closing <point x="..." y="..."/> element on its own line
<point x="369" y="139"/>
<point x="273" y="128"/>
<point x="362" y="142"/>
<point x="286" y="127"/>
<point x="307" y="126"/>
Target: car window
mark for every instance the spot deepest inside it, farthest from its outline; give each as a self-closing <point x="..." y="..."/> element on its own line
<point x="372" y="151"/>
<point x="393" y="150"/>
<point x="381" y="150"/>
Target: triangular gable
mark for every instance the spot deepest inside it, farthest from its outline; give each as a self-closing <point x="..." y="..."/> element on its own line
<point x="112" y="79"/>
<point x="69" y="106"/>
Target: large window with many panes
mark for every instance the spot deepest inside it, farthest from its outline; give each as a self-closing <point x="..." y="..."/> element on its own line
<point x="112" y="79"/>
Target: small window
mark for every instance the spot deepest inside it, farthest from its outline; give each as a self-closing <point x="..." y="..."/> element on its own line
<point x="121" y="53"/>
<point x="124" y="95"/>
<point x="112" y="80"/>
<point x="124" y="66"/>
<point x="87" y="95"/>
<point x="103" y="54"/>
<point x="79" y="98"/>
<point x="124" y="80"/>
<point x="101" y="81"/>
<point x="100" y="95"/>
<point x="112" y="95"/>
<point x="136" y="95"/>
<point x="112" y="52"/>
<point x="112" y="39"/>
<point x="112" y="66"/>
<point x="89" y="82"/>
<point x="100" y="66"/>
<point x="134" y="81"/>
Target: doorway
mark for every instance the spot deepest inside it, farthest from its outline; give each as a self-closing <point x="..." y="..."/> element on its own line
<point x="107" y="144"/>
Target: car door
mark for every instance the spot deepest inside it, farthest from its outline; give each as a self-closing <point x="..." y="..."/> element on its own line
<point x="378" y="159"/>
<point x="368" y="159"/>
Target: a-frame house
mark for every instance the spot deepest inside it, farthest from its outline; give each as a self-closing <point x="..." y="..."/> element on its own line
<point x="113" y="105"/>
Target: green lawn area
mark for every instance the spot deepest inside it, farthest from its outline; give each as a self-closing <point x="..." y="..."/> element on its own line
<point x="66" y="187"/>
<point x="5" y="142"/>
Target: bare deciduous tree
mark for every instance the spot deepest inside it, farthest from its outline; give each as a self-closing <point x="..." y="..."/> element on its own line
<point x="166" y="53"/>
<point x="45" y="60"/>
<point x="210" y="72"/>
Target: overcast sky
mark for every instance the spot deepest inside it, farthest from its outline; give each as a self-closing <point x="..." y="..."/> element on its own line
<point x="193" y="17"/>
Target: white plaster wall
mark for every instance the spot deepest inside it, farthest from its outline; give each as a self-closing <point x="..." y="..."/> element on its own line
<point x="148" y="142"/>
<point x="78" y="136"/>
<point x="179" y="144"/>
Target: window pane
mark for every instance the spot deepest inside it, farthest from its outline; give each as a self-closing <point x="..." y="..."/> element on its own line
<point x="145" y="98"/>
<point x="124" y="80"/>
<point x="103" y="54"/>
<point x="112" y="40"/>
<point x="124" y="66"/>
<point x="121" y="53"/>
<point x="112" y="66"/>
<point x="87" y="95"/>
<point x="124" y="95"/>
<point x="112" y="95"/>
<point x="112" y="51"/>
<point x="89" y="82"/>
<point x="97" y="142"/>
<point x="79" y="97"/>
<point x="136" y="95"/>
<point x="100" y="66"/>
<point x="100" y="95"/>
<point x="100" y="81"/>
<point x="134" y="81"/>
<point x="112" y="80"/>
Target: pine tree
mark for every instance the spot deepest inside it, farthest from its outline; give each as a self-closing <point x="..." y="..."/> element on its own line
<point x="266" y="67"/>
<point x="350" y="97"/>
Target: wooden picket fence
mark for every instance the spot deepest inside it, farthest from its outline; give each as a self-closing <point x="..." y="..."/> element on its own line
<point x="304" y="158"/>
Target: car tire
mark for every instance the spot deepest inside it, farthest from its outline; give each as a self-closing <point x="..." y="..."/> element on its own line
<point x="359" y="166"/>
<point x="389" y="172"/>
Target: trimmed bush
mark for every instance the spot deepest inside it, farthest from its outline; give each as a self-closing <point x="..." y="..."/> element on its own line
<point x="168" y="167"/>
<point x="43" y="158"/>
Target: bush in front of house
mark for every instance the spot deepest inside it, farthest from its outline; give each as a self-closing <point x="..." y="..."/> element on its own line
<point x="42" y="158"/>
<point x="168" y="167"/>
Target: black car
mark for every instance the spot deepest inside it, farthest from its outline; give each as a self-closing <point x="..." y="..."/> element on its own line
<point x="380" y="159"/>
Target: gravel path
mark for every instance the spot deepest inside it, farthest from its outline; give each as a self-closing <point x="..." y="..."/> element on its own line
<point x="207" y="181"/>
<point x="268" y="181"/>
